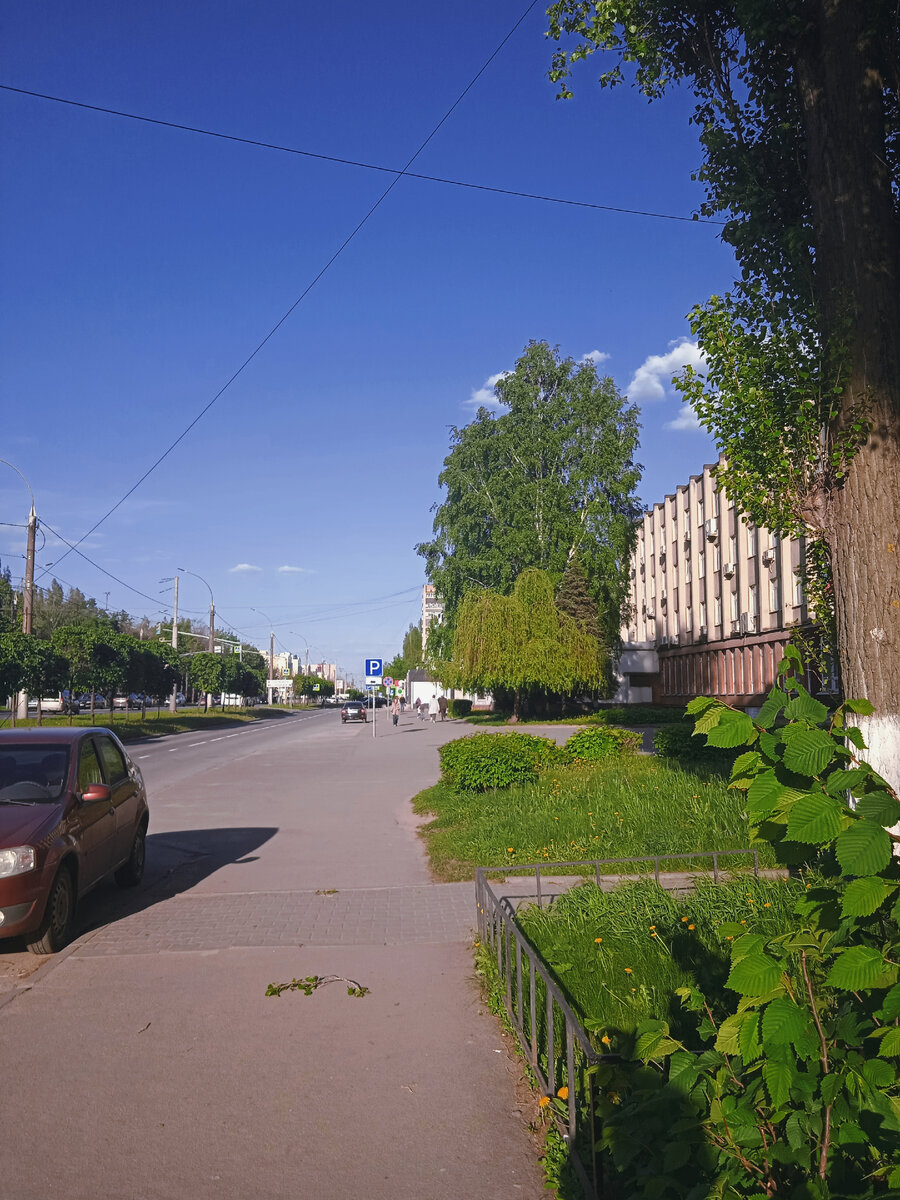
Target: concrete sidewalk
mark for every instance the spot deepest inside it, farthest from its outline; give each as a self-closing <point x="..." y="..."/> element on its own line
<point x="149" y="1063"/>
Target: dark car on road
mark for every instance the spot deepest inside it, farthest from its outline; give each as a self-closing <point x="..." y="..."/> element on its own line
<point x="353" y="710"/>
<point x="73" y="810"/>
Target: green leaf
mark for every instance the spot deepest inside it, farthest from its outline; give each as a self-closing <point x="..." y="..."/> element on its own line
<point x="783" y="1021"/>
<point x="890" y="1005"/>
<point x="845" y="779"/>
<point x="855" y="736"/>
<point x="879" y="807"/>
<point x="779" y="1077"/>
<point x="753" y="975"/>
<point x="865" y="708"/>
<point x="863" y="849"/>
<point x="879" y="1074"/>
<point x="734" y="729"/>
<point x="748" y="1038"/>
<point x="890" y="1043"/>
<point x="747" y="763"/>
<point x="830" y="1087"/>
<point x="772" y="706"/>
<point x="770" y="746"/>
<point x="807" y="751"/>
<point x="727" y="1037"/>
<point x="856" y="968"/>
<point x="700" y="704"/>
<point x="762" y="796"/>
<point x="805" y="708"/>
<point x="815" y="817"/>
<point x="864" y="896"/>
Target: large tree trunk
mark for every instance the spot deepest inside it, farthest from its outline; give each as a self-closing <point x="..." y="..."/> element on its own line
<point x="840" y="75"/>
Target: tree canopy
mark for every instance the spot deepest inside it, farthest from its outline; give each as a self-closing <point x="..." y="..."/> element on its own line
<point x="553" y="472"/>
<point x="798" y="116"/>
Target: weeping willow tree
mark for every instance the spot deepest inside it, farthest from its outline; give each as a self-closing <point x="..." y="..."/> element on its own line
<point x="524" y="645"/>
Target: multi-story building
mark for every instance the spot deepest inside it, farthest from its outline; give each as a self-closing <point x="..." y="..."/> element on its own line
<point x="714" y="600"/>
<point x="432" y="610"/>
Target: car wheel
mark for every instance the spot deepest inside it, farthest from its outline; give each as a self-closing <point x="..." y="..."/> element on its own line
<point x="131" y="874"/>
<point x="56" y="927"/>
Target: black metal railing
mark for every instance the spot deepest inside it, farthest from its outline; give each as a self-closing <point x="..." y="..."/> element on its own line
<point x="552" y="1038"/>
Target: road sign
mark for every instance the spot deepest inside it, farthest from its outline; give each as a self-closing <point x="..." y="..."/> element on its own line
<point x="387" y="681"/>
<point x="373" y="670"/>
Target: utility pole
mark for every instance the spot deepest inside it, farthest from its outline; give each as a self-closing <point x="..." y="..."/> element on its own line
<point x="28" y="597"/>
<point x="272" y="654"/>
<point x="173" y="699"/>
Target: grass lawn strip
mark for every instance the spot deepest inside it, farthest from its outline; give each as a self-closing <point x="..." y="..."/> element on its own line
<point x="159" y="723"/>
<point x="618" y="808"/>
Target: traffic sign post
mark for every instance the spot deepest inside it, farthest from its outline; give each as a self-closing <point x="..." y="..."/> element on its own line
<point x="374" y="673"/>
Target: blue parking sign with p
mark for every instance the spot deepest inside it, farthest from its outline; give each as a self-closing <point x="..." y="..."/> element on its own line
<point x="373" y="667"/>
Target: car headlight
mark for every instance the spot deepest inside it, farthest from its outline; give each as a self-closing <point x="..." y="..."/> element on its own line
<point x="16" y="861"/>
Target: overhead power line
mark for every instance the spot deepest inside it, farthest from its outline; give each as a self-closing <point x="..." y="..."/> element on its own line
<point x="365" y="166"/>
<point x="344" y="244"/>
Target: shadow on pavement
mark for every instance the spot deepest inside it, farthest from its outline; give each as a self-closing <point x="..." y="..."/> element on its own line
<point x="176" y="861"/>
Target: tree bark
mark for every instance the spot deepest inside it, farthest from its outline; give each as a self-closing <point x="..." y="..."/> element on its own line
<point x="840" y="79"/>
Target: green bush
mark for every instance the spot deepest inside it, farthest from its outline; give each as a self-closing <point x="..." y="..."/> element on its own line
<point x="590" y="745"/>
<point x="495" y="760"/>
<point x="678" y="742"/>
<point x="460" y="708"/>
<point x="638" y="714"/>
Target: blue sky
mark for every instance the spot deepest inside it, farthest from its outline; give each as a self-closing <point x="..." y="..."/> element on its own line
<point x="142" y="265"/>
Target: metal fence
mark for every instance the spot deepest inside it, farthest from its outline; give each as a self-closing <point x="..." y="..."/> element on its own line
<point x="557" y="1046"/>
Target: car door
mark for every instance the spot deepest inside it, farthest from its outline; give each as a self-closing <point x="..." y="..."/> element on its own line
<point x="96" y="819"/>
<point x="125" y="796"/>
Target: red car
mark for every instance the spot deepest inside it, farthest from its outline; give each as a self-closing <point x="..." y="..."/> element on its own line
<point x="73" y="810"/>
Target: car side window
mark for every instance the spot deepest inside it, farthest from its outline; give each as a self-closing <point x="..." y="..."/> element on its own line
<point x="88" y="766"/>
<point x="113" y="763"/>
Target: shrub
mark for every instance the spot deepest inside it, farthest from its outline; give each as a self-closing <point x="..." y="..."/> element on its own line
<point x="678" y="742"/>
<point x="638" y="714"/>
<point x="590" y="745"/>
<point x="460" y="708"/>
<point x="494" y="760"/>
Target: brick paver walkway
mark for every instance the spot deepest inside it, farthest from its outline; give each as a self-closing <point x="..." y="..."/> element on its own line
<point x="436" y="913"/>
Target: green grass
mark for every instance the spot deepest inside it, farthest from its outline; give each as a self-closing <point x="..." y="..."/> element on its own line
<point x="624" y="807"/>
<point x="158" y="723"/>
<point x="633" y="714"/>
<point x="651" y="943"/>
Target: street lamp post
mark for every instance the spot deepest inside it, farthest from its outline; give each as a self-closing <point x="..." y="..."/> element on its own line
<point x="28" y="582"/>
<point x="271" y="641"/>
<point x="212" y="618"/>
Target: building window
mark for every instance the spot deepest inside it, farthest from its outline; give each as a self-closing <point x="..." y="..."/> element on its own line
<point x="701" y="565"/>
<point x="687" y="569"/>
<point x="717" y="610"/>
<point x="699" y="510"/>
<point x="715" y="504"/>
<point x="774" y="596"/>
<point x="675" y="602"/>
<point x="798" y="591"/>
<point x="751" y="540"/>
<point x="734" y="606"/>
<point x="703" y="613"/>
<point x="651" y="543"/>
<point x="717" y="558"/>
<point x="732" y="549"/>
<point x="753" y="599"/>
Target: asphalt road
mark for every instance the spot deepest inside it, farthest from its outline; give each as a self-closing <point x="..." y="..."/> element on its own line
<point x="149" y="1063"/>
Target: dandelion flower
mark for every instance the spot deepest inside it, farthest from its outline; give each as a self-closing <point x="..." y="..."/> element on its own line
<point x="653" y="935"/>
<point x="767" y="905"/>
<point x="684" y="920"/>
<point x="607" y="1041"/>
<point x="634" y="989"/>
<point x="509" y="850"/>
<point x="692" y="926"/>
<point x="628" y="971"/>
<point x="598" y="940"/>
<point x="563" y="1093"/>
<point x="652" y="926"/>
<point x="743" y="922"/>
<point x="544" y="1101"/>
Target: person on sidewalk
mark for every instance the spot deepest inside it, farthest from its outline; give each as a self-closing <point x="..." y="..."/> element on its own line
<point x="423" y="711"/>
<point x="442" y="705"/>
<point x="418" y="707"/>
<point x="395" y="711"/>
<point x="433" y="709"/>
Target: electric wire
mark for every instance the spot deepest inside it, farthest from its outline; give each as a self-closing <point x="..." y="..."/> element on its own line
<point x="352" y="162"/>
<point x="346" y="242"/>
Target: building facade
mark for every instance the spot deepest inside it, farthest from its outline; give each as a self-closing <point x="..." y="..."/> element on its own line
<point x="714" y="601"/>
<point x="432" y="610"/>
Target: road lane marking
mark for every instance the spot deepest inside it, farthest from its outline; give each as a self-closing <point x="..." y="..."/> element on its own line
<point x="143" y="756"/>
<point x="173" y="749"/>
<point x="228" y="735"/>
<point x="203" y="743"/>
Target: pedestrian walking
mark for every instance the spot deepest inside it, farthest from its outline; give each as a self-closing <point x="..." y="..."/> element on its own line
<point x="433" y="709"/>
<point x="403" y="704"/>
<point x="442" y="705"/>
<point x="395" y="711"/>
<point x="423" y="711"/>
<point x="418" y="707"/>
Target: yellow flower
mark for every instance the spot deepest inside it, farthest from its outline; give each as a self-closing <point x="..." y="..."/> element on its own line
<point x="743" y="922"/>
<point x="684" y="920"/>
<point x="767" y="905"/>
<point x="692" y="926"/>
<point x="634" y="989"/>
<point x="652" y="926"/>
<point x="729" y="939"/>
<point x="653" y="935"/>
<point x="544" y="1101"/>
<point x="628" y="970"/>
<point x="509" y="850"/>
<point x="606" y="1040"/>
<point x="598" y="940"/>
<point x="563" y="1093"/>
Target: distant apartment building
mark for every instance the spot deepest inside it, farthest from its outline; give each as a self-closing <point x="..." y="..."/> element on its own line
<point x="286" y="664"/>
<point x="324" y="671"/>
<point x="432" y="610"/>
<point x="714" y="601"/>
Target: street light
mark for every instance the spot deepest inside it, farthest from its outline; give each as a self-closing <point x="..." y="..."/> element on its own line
<point x="212" y="619"/>
<point x="28" y="586"/>
<point x="271" y="639"/>
<point x="306" y="643"/>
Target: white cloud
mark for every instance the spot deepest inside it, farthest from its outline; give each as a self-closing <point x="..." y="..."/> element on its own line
<point x="485" y="397"/>
<point x="294" y="571"/>
<point x="686" y="419"/>
<point x="595" y="356"/>
<point x="241" y="567"/>
<point x="654" y="376"/>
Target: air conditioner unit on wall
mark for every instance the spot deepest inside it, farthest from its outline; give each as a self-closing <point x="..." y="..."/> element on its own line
<point x="712" y="529"/>
<point x="768" y="557"/>
<point x="748" y="623"/>
<point x="663" y="599"/>
<point x="728" y="570"/>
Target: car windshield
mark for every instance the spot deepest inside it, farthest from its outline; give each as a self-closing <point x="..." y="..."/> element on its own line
<point x="32" y="774"/>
